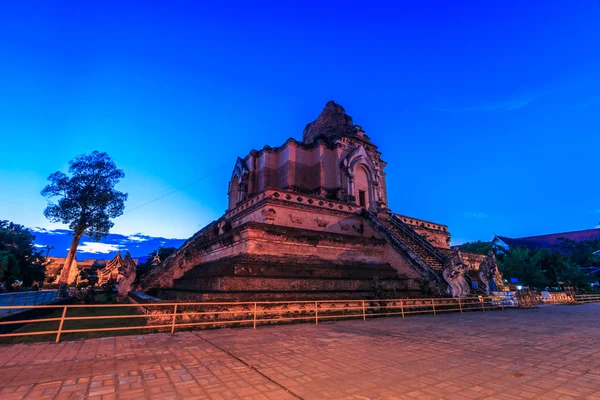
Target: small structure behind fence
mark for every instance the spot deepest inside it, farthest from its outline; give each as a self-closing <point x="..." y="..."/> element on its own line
<point x="25" y="299"/>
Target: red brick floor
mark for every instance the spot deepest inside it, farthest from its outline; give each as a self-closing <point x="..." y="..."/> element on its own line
<point x="551" y="352"/>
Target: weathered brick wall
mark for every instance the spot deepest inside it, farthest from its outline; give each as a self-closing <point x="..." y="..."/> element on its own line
<point x="436" y="234"/>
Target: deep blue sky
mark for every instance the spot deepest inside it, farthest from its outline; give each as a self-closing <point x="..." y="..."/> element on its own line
<point x="488" y="113"/>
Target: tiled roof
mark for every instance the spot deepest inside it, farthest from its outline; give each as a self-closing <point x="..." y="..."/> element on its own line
<point x="551" y="240"/>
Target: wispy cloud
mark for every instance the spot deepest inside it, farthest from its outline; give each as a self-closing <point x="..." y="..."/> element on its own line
<point x="514" y="103"/>
<point x="475" y="215"/>
<point x="100" y="248"/>
<point x="49" y="231"/>
<point x="138" y="237"/>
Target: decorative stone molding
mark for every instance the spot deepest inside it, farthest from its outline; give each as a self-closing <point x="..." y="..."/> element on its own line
<point x="321" y="223"/>
<point x="221" y="226"/>
<point x="360" y="157"/>
<point x="268" y="214"/>
<point x="295" y="219"/>
<point x="293" y="198"/>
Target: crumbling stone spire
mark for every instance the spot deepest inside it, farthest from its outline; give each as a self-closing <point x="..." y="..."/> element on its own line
<point x="332" y="122"/>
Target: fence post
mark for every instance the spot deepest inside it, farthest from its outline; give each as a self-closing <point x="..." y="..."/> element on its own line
<point x="12" y="303"/>
<point x="316" y="313"/>
<point x="460" y="305"/>
<point x="174" y="317"/>
<point x="433" y="305"/>
<point x="481" y="300"/>
<point x="26" y="298"/>
<point x="36" y="297"/>
<point x="364" y="312"/>
<point x="62" y="321"/>
<point x="402" y="308"/>
<point x="254" y="315"/>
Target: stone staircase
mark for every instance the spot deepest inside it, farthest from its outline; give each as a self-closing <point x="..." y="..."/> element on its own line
<point x="415" y="242"/>
<point x="426" y="258"/>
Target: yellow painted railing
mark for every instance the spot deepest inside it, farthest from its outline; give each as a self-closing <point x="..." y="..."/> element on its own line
<point x="587" y="298"/>
<point x="173" y="316"/>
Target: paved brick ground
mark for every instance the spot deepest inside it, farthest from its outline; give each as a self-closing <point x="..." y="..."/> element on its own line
<point x="548" y="353"/>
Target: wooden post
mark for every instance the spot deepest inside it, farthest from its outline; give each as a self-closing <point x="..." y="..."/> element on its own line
<point x="254" y="315"/>
<point x="316" y="313"/>
<point x="174" y="317"/>
<point x="460" y="305"/>
<point x="433" y="305"/>
<point x="62" y="321"/>
<point x="402" y="308"/>
<point x="481" y="299"/>
<point x="364" y="312"/>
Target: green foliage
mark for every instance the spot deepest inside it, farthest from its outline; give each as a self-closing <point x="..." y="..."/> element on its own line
<point x="580" y="253"/>
<point x="541" y="268"/>
<point x="87" y="201"/>
<point x="478" y="247"/>
<point x="9" y="266"/>
<point x="19" y="259"/>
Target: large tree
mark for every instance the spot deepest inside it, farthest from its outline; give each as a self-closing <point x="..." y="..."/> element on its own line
<point x="87" y="200"/>
<point x="478" y="247"/>
<point x="541" y="268"/>
<point x="19" y="259"/>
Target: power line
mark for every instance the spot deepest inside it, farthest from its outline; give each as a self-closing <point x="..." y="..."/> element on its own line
<point x="172" y="191"/>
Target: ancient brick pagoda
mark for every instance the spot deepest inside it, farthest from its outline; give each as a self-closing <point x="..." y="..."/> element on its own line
<point x="310" y="220"/>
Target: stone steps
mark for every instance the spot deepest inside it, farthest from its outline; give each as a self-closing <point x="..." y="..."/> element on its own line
<point x="423" y="253"/>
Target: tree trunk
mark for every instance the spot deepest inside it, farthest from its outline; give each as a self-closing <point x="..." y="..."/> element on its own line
<point x="66" y="271"/>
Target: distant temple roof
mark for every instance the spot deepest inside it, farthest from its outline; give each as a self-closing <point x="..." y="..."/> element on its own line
<point x="551" y="240"/>
<point x="333" y="122"/>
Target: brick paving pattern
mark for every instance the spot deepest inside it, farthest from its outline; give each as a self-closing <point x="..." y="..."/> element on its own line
<point x="552" y="352"/>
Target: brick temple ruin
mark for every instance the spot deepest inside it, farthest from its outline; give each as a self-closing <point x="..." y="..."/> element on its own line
<point x="310" y="220"/>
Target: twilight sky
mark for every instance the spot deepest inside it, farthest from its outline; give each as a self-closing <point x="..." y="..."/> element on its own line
<point x="488" y="113"/>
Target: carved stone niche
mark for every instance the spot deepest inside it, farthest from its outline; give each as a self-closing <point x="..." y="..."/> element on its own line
<point x="268" y="214"/>
<point x="295" y="219"/>
<point x="322" y="223"/>
<point x="221" y="226"/>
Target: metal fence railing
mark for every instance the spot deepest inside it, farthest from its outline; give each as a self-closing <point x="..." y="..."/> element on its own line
<point x="60" y="320"/>
<point x="160" y="316"/>
<point x="587" y="298"/>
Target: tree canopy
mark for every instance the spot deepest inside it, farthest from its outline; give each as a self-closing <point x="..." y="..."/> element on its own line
<point x="19" y="258"/>
<point x="541" y="268"/>
<point x="544" y="268"/>
<point x="87" y="200"/>
<point x="478" y="247"/>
